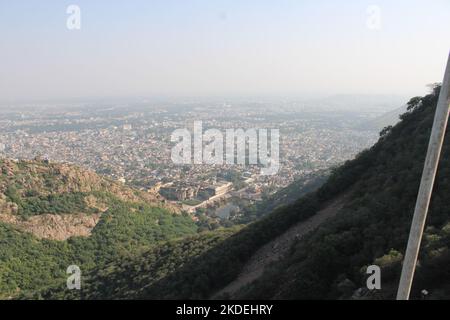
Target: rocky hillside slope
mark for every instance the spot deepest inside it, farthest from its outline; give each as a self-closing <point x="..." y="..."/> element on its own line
<point x="58" y="201"/>
<point x="56" y="215"/>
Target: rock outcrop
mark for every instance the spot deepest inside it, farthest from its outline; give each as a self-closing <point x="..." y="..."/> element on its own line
<point x="55" y="226"/>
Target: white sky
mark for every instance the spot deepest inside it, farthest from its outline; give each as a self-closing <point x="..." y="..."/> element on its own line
<point x="202" y="48"/>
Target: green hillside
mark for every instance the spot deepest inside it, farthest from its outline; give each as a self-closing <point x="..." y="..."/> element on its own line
<point x="374" y="224"/>
<point x="37" y="198"/>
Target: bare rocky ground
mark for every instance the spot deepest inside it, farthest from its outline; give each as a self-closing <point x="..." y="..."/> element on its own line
<point x="55" y="227"/>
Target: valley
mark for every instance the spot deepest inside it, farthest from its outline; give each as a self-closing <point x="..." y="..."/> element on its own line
<point x="312" y="239"/>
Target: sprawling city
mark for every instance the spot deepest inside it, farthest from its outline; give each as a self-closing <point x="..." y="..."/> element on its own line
<point x="132" y="144"/>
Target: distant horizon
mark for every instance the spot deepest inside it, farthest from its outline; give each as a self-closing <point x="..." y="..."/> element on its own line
<point x="205" y="98"/>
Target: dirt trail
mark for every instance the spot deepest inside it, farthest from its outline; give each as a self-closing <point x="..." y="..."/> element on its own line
<point x="275" y="249"/>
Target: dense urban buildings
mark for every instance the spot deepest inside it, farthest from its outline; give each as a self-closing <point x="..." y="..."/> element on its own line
<point x="131" y="143"/>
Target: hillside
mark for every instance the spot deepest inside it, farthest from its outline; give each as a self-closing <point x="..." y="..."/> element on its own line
<point x="289" y="194"/>
<point x="387" y="119"/>
<point x="128" y="276"/>
<point x="375" y="194"/>
<point x="57" y="201"/>
<point x="372" y="225"/>
<point x="55" y="215"/>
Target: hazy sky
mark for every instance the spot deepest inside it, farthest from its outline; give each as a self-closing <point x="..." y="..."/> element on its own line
<point x="234" y="47"/>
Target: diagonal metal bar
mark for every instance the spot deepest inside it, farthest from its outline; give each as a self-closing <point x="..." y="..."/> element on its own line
<point x="426" y="187"/>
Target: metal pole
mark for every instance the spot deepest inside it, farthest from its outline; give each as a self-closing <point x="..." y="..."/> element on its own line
<point x="426" y="187"/>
